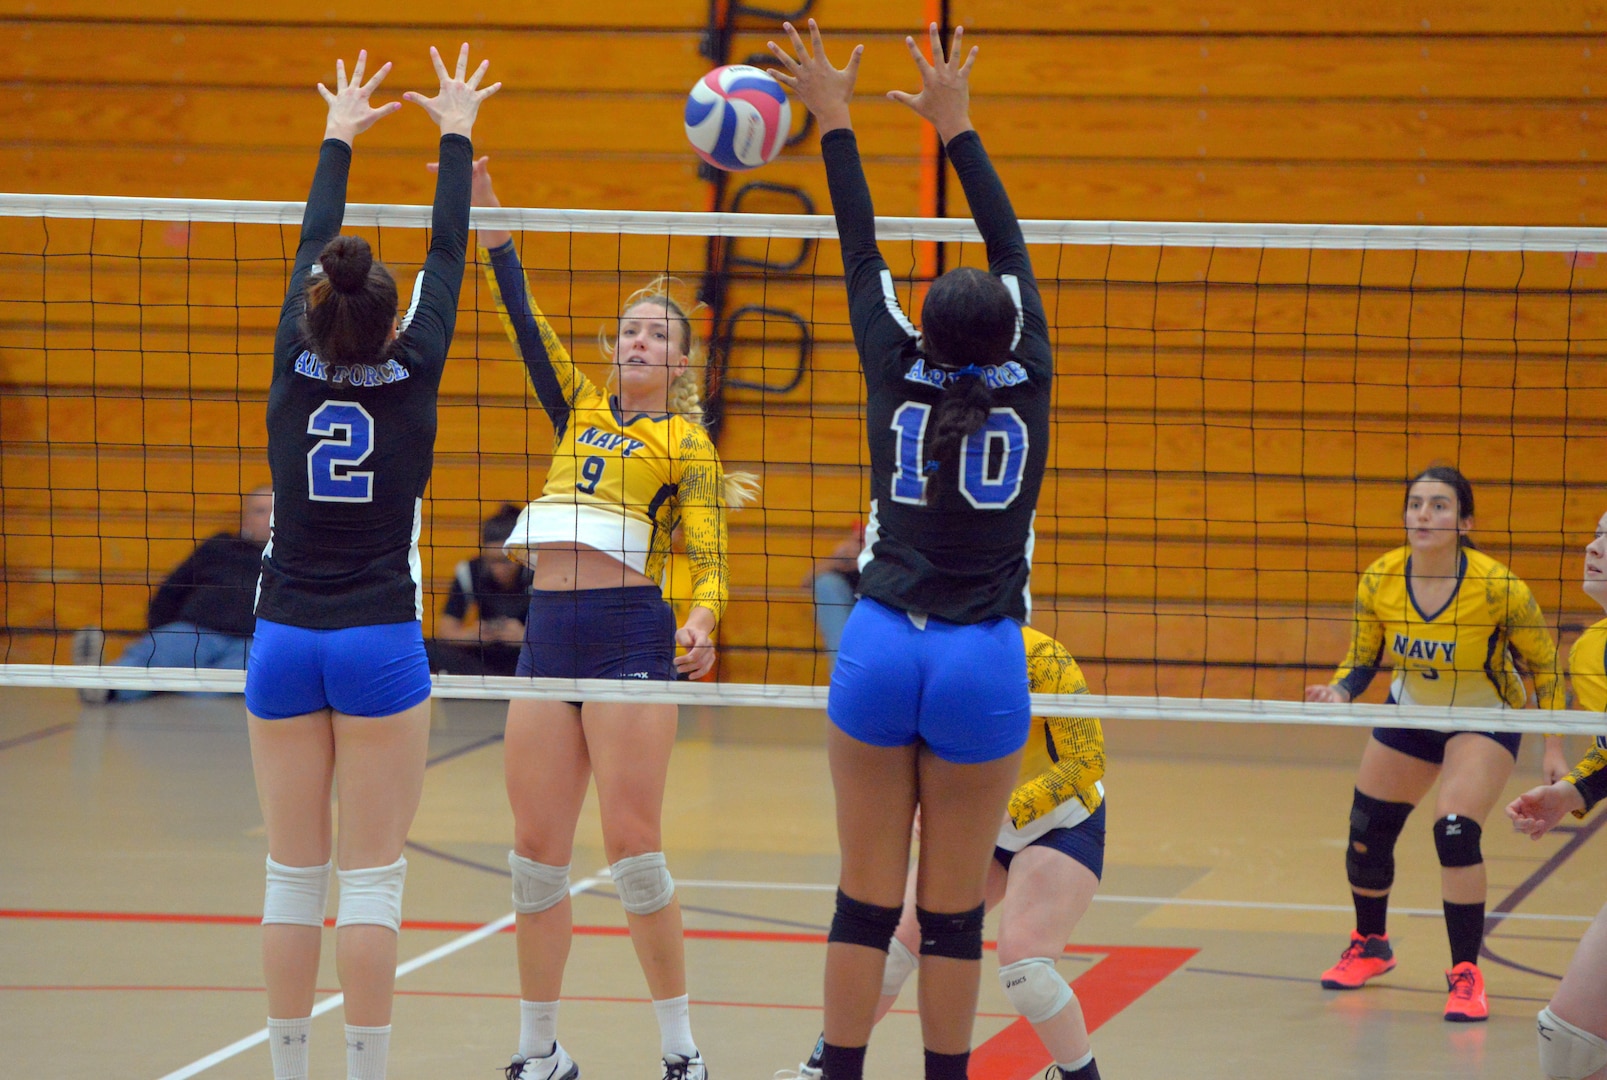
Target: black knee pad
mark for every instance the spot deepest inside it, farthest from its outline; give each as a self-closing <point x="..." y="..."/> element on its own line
<point x="1375" y="825"/>
<point x="1457" y="841"/>
<point x="955" y="935"/>
<point x="859" y="923"/>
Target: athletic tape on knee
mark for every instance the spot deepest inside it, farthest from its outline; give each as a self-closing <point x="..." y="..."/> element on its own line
<point x="956" y="935"/>
<point x="1567" y="1052"/>
<point x="296" y="895"/>
<point x="643" y="883"/>
<point x="1375" y="825"/>
<point x="371" y="896"/>
<point x="1035" y="988"/>
<point x="858" y="923"/>
<point x="901" y="964"/>
<point x="1457" y="841"/>
<point x="536" y="886"/>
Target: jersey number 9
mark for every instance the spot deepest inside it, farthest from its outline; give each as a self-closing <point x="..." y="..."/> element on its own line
<point x="992" y="460"/>
<point x="349" y="439"/>
<point x="591" y="471"/>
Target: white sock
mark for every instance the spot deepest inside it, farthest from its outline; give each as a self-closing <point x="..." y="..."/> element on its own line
<point x="366" y="1051"/>
<point x="538" y="1028"/>
<point x="675" y="1026"/>
<point x="287" y="1045"/>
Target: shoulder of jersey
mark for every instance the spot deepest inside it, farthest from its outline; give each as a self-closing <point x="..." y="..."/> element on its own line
<point x="1482" y="565"/>
<point x="1391" y="562"/>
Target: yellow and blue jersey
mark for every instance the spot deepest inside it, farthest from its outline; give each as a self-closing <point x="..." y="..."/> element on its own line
<point x="1587" y="670"/>
<point x="620" y="484"/>
<point x="1464" y="654"/>
<point x="1064" y="759"/>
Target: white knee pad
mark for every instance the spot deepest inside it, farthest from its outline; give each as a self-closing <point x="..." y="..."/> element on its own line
<point x="371" y="896"/>
<point x="901" y="964"/>
<point x="296" y="895"/>
<point x="1035" y="988"/>
<point x="1568" y="1052"/>
<point x="536" y="886"/>
<point x="643" y="882"/>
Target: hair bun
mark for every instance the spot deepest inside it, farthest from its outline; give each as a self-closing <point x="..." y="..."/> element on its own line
<point x="346" y="261"/>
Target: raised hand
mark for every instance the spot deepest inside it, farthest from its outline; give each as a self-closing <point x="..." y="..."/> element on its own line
<point x="481" y="194"/>
<point x="1537" y="811"/>
<point x="350" y="114"/>
<point x="457" y="103"/>
<point x="825" y="91"/>
<point x="945" y="97"/>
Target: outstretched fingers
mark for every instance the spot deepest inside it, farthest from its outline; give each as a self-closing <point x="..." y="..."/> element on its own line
<point x="379" y="77"/>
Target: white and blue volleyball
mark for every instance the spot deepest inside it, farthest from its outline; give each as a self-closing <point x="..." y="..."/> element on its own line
<point x="737" y="117"/>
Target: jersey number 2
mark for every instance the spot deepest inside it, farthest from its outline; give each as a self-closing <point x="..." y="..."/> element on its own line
<point x="349" y="439"/>
<point x="992" y="459"/>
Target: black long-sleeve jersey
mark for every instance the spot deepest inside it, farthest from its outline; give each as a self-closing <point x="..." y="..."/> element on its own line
<point x="351" y="446"/>
<point x="215" y="588"/>
<point x="956" y="544"/>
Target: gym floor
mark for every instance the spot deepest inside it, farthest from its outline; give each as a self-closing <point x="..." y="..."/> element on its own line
<point x="131" y="885"/>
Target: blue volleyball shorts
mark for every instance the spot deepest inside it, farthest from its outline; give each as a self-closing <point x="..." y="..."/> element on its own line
<point x="962" y="690"/>
<point x="359" y="671"/>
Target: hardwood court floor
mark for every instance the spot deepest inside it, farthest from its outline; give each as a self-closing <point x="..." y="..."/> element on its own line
<point x="131" y="881"/>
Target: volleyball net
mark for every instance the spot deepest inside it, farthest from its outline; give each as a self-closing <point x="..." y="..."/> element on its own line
<point x="1237" y="408"/>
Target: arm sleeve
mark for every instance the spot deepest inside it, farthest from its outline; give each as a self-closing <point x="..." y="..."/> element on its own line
<point x="432" y="315"/>
<point x="1355" y="675"/>
<point x="320" y="223"/>
<point x="1590" y="777"/>
<point x="457" y="598"/>
<point x="553" y="375"/>
<point x="1531" y="638"/>
<point x="173" y="592"/>
<point x="700" y="492"/>
<point x="880" y="326"/>
<point x="1007" y="250"/>
<point x="1079" y="742"/>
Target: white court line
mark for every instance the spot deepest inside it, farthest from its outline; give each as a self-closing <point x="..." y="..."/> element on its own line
<point x="1155" y="901"/>
<point x="334" y="1001"/>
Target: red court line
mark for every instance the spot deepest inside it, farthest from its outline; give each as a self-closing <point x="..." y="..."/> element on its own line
<point x="1126" y="974"/>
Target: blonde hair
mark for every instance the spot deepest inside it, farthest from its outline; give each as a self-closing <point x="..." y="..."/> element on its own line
<point x="686" y="390"/>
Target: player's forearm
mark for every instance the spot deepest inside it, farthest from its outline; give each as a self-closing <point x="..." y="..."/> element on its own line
<point x="326" y="202"/>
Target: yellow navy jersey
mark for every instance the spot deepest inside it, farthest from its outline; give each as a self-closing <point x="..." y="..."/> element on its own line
<point x="619" y="484"/>
<point x="1587" y="670"/>
<point x="1466" y="653"/>
<point x="1060" y="783"/>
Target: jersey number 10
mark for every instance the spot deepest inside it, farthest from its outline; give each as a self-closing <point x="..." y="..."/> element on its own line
<point x="349" y="432"/>
<point x="991" y="460"/>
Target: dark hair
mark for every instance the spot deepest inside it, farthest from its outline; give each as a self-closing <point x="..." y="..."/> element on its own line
<point x="968" y="319"/>
<point x="1451" y="476"/>
<point x="499" y="526"/>
<point x="351" y="306"/>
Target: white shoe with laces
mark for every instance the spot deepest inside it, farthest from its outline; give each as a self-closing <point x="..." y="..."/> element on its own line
<point x="677" y="1067"/>
<point x="804" y="1073"/>
<point x="89" y="647"/>
<point x="557" y="1065"/>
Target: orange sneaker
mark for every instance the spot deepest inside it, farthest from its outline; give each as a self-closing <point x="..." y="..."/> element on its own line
<point x="1366" y="958"/>
<point x="1466" y="1005"/>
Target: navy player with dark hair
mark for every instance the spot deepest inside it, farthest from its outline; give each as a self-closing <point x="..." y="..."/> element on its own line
<point x="929" y="700"/>
<point x="337" y="685"/>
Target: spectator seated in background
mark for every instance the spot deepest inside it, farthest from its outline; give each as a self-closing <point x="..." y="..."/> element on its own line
<point x="203" y="615"/>
<point x="835" y="581"/>
<point x="499" y="590"/>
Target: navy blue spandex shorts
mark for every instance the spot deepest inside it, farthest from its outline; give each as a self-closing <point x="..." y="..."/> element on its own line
<point x="626" y="633"/>
<point x="1429" y="746"/>
<point x="359" y="671"/>
<point x="1083" y="842"/>
<point x="962" y="690"/>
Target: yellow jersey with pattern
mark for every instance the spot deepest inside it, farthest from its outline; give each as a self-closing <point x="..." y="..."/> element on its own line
<point x="1587" y="670"/>
<point x="620" y="484"/>
<point x="1064" y="758"/>
<point x="1466" y="653"/>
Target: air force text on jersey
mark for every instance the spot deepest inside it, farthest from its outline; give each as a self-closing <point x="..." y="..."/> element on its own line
<point x="309" y="365"/>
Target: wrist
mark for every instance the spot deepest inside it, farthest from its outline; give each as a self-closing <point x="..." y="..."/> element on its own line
<point x="950" y="130"/>
<point x="457" y="127"/>
<point x="834" y="119"/>
<point x="341" y="132"/>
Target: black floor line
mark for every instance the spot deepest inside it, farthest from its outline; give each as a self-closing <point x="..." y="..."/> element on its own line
<point x="35" y="736"/>
<point x="1578" y="836"/>
<point x="467" y="748"/>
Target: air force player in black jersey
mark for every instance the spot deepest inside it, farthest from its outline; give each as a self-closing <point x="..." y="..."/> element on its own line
<point x="337" y="684"/>
<point x="929" y="699"/>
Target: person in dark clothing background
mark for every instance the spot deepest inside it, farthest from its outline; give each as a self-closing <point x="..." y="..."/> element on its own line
<point x="499" y="591"/>
<point x="202" y="615"/>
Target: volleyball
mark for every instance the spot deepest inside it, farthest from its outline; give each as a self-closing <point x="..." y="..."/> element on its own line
<point x="737" y="117"/>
